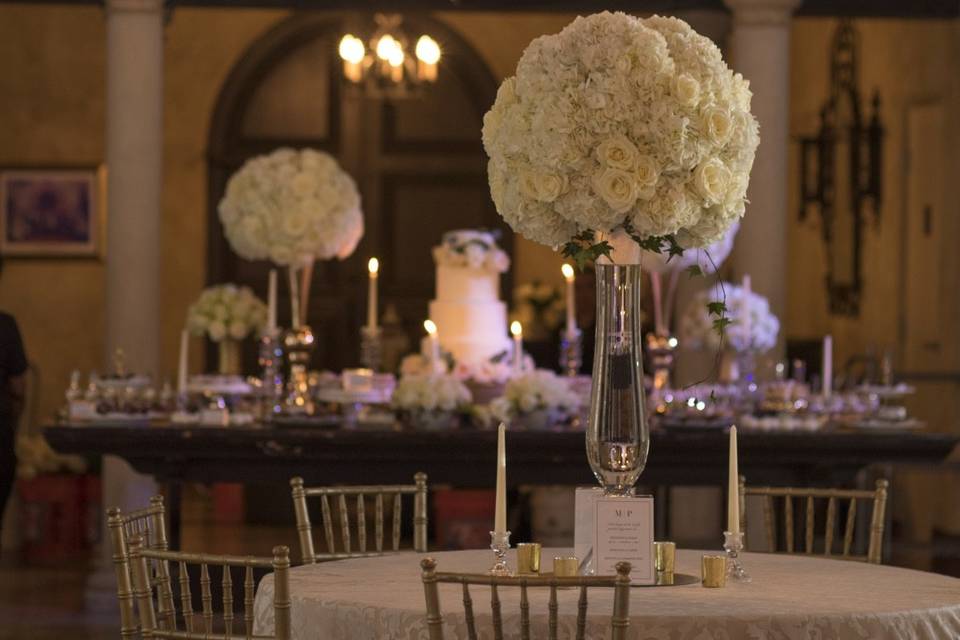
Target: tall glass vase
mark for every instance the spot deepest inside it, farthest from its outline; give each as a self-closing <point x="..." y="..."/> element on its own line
<point x="618" y="437"/>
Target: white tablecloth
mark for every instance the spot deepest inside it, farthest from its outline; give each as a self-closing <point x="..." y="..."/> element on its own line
<point x="790" y="598"/>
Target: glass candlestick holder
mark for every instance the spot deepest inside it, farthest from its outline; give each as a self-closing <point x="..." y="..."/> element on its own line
<point x="571" y="352"/>
<point x="499" y="543"/>
<point x="371" y="347"/>
<point x="270" y="358"/>
<point x="733" y="545"/>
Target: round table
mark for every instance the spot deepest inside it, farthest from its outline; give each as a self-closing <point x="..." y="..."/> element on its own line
<point x="790" y="597"/>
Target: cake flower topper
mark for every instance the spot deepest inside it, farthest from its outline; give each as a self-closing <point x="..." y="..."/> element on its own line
<point x="473" y="249"/>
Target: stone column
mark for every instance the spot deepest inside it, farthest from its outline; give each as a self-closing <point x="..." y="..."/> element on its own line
<point x="760" y="50"/>
<point x="134" y="143"/>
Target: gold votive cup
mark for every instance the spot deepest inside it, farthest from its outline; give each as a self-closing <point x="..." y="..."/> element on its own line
<point x="528" y="558"/>
<point x="566" y="566"/>
<point x="664" y="556"/>
<point x="713" y="571"/>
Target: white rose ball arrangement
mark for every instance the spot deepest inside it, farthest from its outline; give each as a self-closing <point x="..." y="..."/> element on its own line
<point x="292" y="207"/>
<point x="753" y="327"/>
<point x="226" y="312"/>
<point x="536" y="390"/>
<point x="621" y="124"/>
<point x="437" y="392"/>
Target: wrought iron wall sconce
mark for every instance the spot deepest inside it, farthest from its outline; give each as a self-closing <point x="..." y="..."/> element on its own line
<point x="840" y="173"/>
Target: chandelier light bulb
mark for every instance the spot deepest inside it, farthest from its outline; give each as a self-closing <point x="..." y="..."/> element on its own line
<point x="428" y="50"/>
<point x="387" y="46"/>
<point x="351" y="49"/>
<point x="396" y="57"/>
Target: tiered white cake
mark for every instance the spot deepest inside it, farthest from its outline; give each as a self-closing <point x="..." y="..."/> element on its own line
<point x="470" y="317"/>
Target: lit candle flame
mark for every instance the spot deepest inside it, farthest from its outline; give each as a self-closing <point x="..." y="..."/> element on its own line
<point x="373" y="266"/>
<point x="567" y="271"/>
<point x="428" y="50"/>
<point x="387" y="45"/>
<point x="430" y="327"/>
<point x="351" y="49"/>
<point x="516" y="328"/>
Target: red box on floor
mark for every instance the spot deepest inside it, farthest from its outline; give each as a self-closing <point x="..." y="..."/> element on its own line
<point x="60" y="516"/>
<point x="463" y="518"/>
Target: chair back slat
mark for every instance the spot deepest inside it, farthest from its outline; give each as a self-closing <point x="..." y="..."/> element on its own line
<point x="553" y="609"/>
<point x="850" y="526"/>
<point x="379" y="523"/>
<point x="141" y="557"/>
<point x="582" y="614"/>
<point x="846" y="497"/>
<point x="186" y="598"/>
<point x="432" y="597"/>
<point x="226" y="585"/>
<point x="621" y="602"/>
<point x="830" y="526"/>
<point x="358" y="544"/>
<point x="248" y="599"/>
<point x="495" y="613"/>
<point x="344" y="523"/>
<point x="361" y="523"/>
<point x="524" y="613"/>
<point x="397" y="506"/>
<point x="206" y="598"/>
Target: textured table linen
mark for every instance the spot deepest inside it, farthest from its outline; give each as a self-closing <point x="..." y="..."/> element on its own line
<point x="790" y="598"/>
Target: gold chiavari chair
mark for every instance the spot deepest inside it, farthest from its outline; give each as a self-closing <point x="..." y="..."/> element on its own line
<point x="804" y="499"/>
<point x="160" y="621"/>
<point x="619" y="622"/>
<point x="346" y="550"/>
<point x="150" y="525"/>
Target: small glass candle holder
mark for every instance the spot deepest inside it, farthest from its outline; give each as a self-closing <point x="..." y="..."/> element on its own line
<point x="528" y="558"/>
<point x="371" y="347"/>
<point x="713" y="571"/>
<point x="571" y="352"/>
<point x="566" y="566"/>
<point x="664" y="556"/>
<point x="733" y="545"/>
<point x="500" y="543"/>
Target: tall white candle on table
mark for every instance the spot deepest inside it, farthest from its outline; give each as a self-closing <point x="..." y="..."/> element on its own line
<point x="827" y="366"/>
<point x="272" y="302"/>
<point x="517" y="330"/>
<point x="745" y="310"/>
<point x="569" y="276"/>
<point x="374" y="268"/>
<point x="431" y="329"/>
<point x="500" y="514"/>
<point x="182" y="363"/>
<point x="733" y="487"/>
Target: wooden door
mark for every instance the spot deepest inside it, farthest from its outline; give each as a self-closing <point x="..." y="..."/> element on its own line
<point x="418" y="162"/>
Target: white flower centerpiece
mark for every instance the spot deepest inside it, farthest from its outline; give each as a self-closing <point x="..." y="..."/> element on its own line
<point x="227" y="314"/>
<point x="752" y="328"/>
<point x="431" y="401"/>
<point x="538" y="399"/>
<point x="292" y="207"/>
<point x="617" y="134"/>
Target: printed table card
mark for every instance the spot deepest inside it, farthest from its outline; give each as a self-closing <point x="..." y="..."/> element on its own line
<point x="624" y="533"/>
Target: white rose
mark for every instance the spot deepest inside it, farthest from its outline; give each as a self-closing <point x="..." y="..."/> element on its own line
<point x="618" y="188"/>
<point x="544" y="187"/>
<point x="238" y="330"/>
<point x="303" y="184"/>
<point x="217" y="331"/>
<point x="711" y="180"/>
<point x="647" y="175"/>
<point x="617" y="152"/>
<point x="717" y="124"/>
<point x="686" y="89"/>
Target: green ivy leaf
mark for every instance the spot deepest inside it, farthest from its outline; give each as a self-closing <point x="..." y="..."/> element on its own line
<point x="717" y="308"/>
<point x="694" y="270"/>
<point x="720" y="324"/>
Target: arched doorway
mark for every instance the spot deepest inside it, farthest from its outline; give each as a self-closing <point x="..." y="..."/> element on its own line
<point x="419" y="164"/>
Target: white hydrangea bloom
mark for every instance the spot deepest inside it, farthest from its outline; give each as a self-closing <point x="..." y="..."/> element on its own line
<point x="430" y="392"/>
<point x="536" y="390"/>
<point x="619" y="120"/>
<point x="292" y="207"/>
<point x="226" y="311"/>
<point x="752" y="325"/>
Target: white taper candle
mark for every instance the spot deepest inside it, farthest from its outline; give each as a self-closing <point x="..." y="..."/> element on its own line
<point x="500" y="514"/>
<point x="569" y="276"/>
<point x="827" y="373"/>
<point x="733" y="486"/>
<point x="373" y="266"/>
<point x="272" y="302"/>
<point x="182" y="363"/>
<point x="517" y="330"/>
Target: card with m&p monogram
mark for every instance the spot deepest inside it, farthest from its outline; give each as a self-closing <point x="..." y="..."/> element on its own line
<point x="624" y="533"/>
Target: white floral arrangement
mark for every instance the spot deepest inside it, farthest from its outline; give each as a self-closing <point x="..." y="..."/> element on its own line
<point x="497" y="370"/>
<point x="292" y="207"/>
<point x="471" y="249"/>
<point x="226" y="311"/>
<point x="621" y="125"/>
<point x="431" y="392"/>
<point x="752" y="325"/>
<point x="536" y="390"/>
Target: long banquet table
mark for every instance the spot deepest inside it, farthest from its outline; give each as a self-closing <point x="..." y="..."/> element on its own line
<point x="270" y="455"/>
<point x="791" y="597"/>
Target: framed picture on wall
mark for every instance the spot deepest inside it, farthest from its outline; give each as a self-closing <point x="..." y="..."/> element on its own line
<point x="52" y="212"/>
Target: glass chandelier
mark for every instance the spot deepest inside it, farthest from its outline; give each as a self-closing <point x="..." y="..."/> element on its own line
<point x="386" y="67"/>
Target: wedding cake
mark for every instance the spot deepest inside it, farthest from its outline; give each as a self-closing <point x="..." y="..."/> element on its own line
<point x="470" y="317"/>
